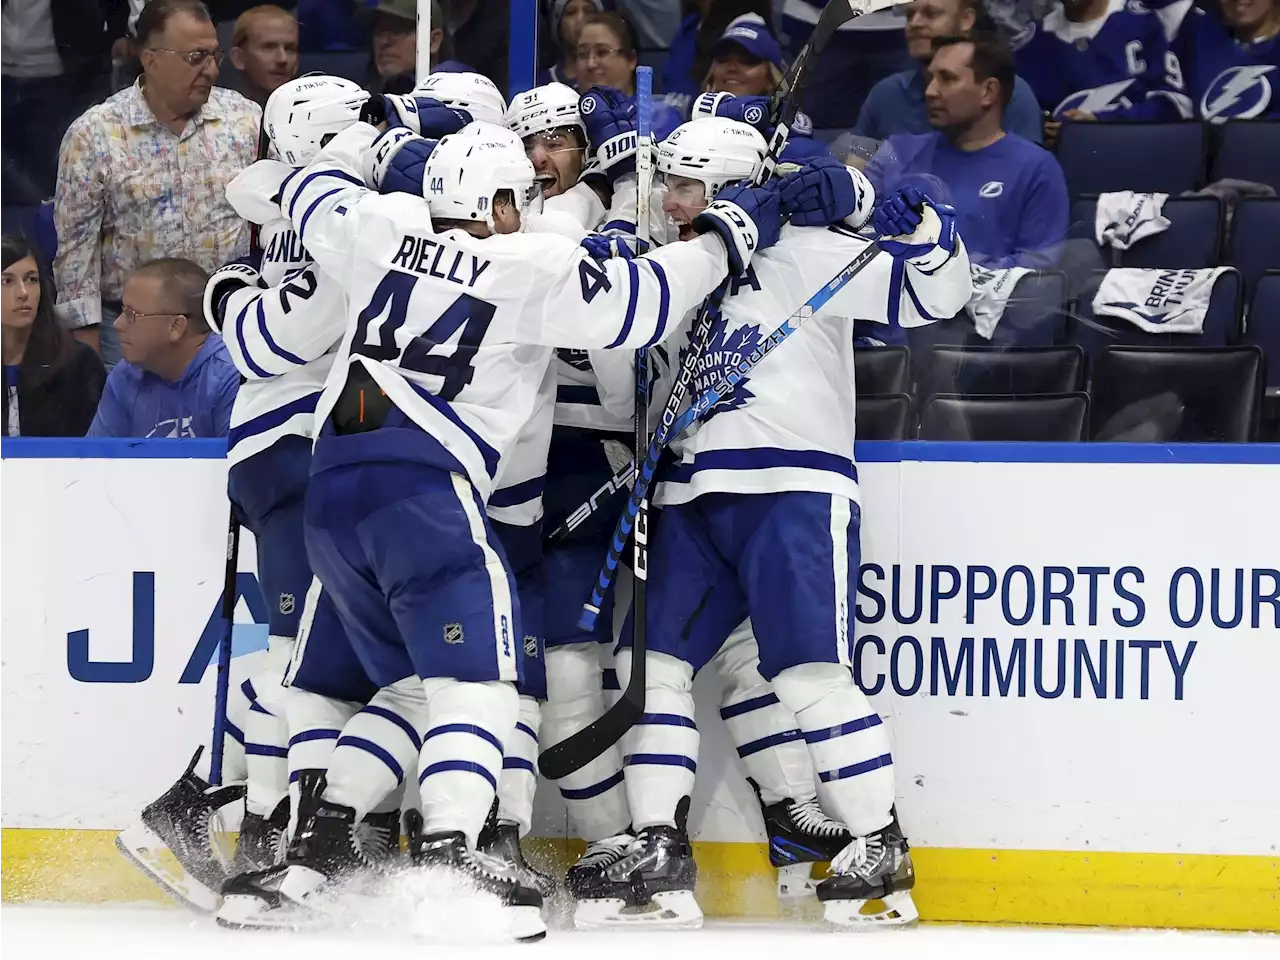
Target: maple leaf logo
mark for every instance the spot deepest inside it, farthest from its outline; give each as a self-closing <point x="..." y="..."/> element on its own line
<point x="725" y="350"/>
<point x="575" y="358"/>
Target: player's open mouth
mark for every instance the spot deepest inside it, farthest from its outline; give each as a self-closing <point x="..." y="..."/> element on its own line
<point x="686" y="229"/>
<point x="545" y="180"/>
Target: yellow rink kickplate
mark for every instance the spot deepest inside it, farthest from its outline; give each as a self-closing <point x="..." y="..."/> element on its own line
<point x="1197" y="891"/>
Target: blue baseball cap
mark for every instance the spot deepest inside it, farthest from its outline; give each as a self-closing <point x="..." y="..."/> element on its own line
<point x="751" y="34"/>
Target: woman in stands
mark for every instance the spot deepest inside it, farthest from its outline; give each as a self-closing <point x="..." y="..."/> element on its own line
<point x="1230" y="59"/>
<point x="52" y="381"/>
<point x="684" y="75"/>
<point x="566" y="19"/>
<point x="607" y="57"/>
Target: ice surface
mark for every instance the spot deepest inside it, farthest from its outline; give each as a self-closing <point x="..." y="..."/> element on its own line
<point x="139" y="933"/>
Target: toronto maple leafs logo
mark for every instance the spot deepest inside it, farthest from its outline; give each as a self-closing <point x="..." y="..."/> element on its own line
<point x="725" y="350"/>
<point x="575" y="358"/>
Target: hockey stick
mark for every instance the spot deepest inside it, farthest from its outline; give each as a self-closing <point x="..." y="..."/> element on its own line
<point x="783" y="110"/>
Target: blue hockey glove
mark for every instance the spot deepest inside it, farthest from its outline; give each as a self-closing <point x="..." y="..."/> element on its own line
<point x="825" y="191"/>
<point x="914" y="228"/>
<point x="749" y="110"/>
<point x="610" y="119"/>
<point x="424" y="116"/>
<point x="604" y="246"/>
<point x="748" y="219"/>
<point x="397" y="162"/>
<point x="236" y="275"/>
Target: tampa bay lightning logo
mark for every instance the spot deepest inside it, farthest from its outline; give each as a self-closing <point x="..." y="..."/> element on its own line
<point x="1095" y="100"/>
<point x="577" y="359"/>
<point x="725" y="350"/>
<point x="1238" y="93"/>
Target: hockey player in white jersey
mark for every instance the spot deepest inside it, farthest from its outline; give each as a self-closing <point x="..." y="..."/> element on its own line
<point x="472" y="92"/>
<point x="760" y="517"/>
<point x="431" y="387"/>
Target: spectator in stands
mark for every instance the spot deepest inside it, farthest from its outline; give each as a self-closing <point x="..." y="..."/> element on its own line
<point x="52" y="381"/>
<point x="566" y="19"/>
<point x="1098" y="59"/>
<point x="177" y="379"/>
<point x="264" y="49"/>
<point x="607" y="57"/>
<point x="395" y="43"/>
<point x="896" y="104"/>
<point x="704" y="22"/>
<point x="1010" y="195"/>
<point x="1230" y="59"/>
<point x="144" y="174"/>
<point x="54" y="62"/>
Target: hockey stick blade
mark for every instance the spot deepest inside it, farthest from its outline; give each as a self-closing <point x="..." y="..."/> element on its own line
<point x="575" y="752"/>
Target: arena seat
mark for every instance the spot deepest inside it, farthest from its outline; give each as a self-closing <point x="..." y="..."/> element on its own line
<point x="881" y="370"/>
<point x="1263" y="323"/>
<point x="1002" y="371"/>
<point x="1178" y="394"/>
<point x="1193" y="240"/>
<point x="884" y="417"/>
<point x="1248" y="150"/>
<point x="1255" y="237"/>
<point x="1057" y="417"/>
<point x="1221" y="324"/>
<point x="1100" y="157"/>
<point x="1034" y="316"/>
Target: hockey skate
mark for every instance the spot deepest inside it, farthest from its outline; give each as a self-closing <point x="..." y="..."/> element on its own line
<point x="181" y="822"/>
<point x="486" y="873"/>
<point x="262" y="840"/>
<point x="800" y="835"/>
<point x="502" y="840"/>
<point x="871" y="882"/>
<point x="651" y="886"/>
<point x="329" y="850"/>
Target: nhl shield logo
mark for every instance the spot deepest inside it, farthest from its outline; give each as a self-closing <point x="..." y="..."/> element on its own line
<point x="453" y="633"/>
<point x="530" y="645"/>
<point x="286" y="603"/>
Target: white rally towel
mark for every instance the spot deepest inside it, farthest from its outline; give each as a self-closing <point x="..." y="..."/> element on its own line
<point x="1123" y="218"/>
<point x="1158" y="301"/>
<point x="991" y="292"/>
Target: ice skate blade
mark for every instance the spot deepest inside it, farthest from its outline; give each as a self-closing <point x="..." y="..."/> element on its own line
<point x="141" y="845"/>
<point x="795" y="882"/>
<point x="895" y="910"/>
<point x="673" y="910"/>
<point x="246" y="912"/>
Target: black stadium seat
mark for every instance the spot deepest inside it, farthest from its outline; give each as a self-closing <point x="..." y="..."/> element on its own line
<point x="1178" y="394"/>
<point x="1034" y="315"/>
<point x="1249" y="150"/>
<point x="1255" y="237"/>
<point x="881" y="370"/>
<point x="1054" y="417"/>
<point x="1101" y="157"/>
<point x="885" y="417"/>
<point x="1264" y="323"/>
<point x="1002" y="371"/>
<point x="1192" y="241"/>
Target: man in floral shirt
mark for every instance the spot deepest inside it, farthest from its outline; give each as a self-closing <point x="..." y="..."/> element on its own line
<point x="143" y="175"/>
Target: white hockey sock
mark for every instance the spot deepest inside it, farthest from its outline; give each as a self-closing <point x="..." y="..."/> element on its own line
<point x="661" y="753"/>
<point x="233" y="760"/>
<point x="376" y="747"/>
<point x="461" y="755"/>
<point x="266" y="751"/>
<point x="847" y="740"/>
<point x="769" y="742"/>
<point x="594" y="796"/>
<point x="519" y="779"/>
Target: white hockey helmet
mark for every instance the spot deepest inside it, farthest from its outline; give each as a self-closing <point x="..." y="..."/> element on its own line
<point x="472" y="92"/>
<point x="467" y="169"/>
<point x="714" y="150"/>
<point x="545" y="108"/>
<point x="302" y="115"/>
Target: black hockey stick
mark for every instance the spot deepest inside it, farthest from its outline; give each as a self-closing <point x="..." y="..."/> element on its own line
<point x="573" y="753"/>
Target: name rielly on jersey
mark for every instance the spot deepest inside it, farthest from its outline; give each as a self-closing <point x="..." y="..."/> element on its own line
<point x="414" y="252"/>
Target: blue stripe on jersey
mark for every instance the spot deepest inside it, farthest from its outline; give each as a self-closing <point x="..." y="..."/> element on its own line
<point x="866" y="766"/>
<point x="518" y="493"/>
<point x="337" y="174"/>
<point x="458" y="766"/>
<point x="271" y="419"/>
<point x="238" y="324"/>
<point x="580" y="394"/>
<point x="442" y="407"/>
<point x="773" y="740"/>
<point x="633" y="295"/>
<point x="311" y="208"/>
<point x="667" y="720"/>
<point x="618" y="226"/>
<point x="895" y="293"/>
<point x="528" y="731"/>
<point x="664" y="302"/>
<point x="271" y="344"/>
<point x="762" y="458"/>
<point x="911" y="292"/>
<point x="518" y="763"/>
<point x="376" y="751"/>
<point x="660" y="760"/>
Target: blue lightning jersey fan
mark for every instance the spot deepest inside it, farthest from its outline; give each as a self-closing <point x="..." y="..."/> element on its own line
<point x="1119" y="66"/>
<point x="1228" y="79"/>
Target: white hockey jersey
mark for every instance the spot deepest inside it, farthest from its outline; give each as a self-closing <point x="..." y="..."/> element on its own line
<point x="450" y="326"/>
<point x="790" y="424"/>
<point x="282" y="340"/>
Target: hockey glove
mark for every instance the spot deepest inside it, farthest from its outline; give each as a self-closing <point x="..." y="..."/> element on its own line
<point x="914" y="228"/>
<point x="424" y="116"/>
<point x="397" y="162"/>
<point x="749" y="110"/>
<point x="236" y="275"/>
<point x="610" y="119"/>
<point x="825" y="191"/>
<point x="604" y="246"/>
<point x="747" y="218"/>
